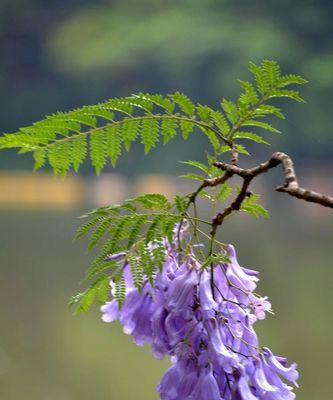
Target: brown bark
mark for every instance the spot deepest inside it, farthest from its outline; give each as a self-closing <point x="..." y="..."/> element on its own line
<point x="290" y="186"/>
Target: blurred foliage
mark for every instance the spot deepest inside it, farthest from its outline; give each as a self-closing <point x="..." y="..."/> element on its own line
<point x="73" y="53"/>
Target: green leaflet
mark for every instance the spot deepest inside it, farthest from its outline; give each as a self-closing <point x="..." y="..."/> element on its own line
<point x="129" y="132"/>
<point x="231" y="110"/>
<point x="250" y="136"/>
<point x="197" y="164"/>
<point x="98" y="289"/>
<point x="253" y="208"/>
<point x="220" y="121"/>
<point x="224" y="192"/>
<point x="181" y="204"/>
<point x="184" y="103"/>
<point x="98" y="150"/>
<point x="79" y="151"/>
<point x="113" y="143"/>
<point x="149" y="133"/>
<point x="169" y="129"/>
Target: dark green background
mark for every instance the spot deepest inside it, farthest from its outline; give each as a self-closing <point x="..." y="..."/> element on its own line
<point x="61" y="54"/>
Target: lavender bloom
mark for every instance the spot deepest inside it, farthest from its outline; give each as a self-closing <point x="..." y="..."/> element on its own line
<point x="260" y="306"/>
<point x="207" y="301"/>
<point x="115" y="256"/>
<point x="110" y="311"/>
<point x="207" y="329"/>
<point x="168" y="387"/>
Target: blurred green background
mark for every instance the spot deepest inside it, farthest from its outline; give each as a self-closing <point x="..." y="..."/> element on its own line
<point x="61" y="54"/>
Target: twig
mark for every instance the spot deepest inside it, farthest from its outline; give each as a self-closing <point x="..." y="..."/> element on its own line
<point x="234" y="154"/>
<point x="290" y="186"/>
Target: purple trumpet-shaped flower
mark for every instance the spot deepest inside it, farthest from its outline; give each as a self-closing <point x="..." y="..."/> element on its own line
<point x="207" y="327"/>
<point x="169" y="385"/>
<point x="206" y="297"/>
<point x="181" y="290"/>
<point x="110" y="311"/>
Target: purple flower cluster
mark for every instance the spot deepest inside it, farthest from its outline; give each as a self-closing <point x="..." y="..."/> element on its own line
<point x="206" y="326"/>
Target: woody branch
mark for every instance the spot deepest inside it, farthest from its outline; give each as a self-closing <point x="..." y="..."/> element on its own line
<point x="290" y="186"/>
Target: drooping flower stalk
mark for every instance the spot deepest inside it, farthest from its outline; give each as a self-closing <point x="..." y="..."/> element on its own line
<point x="208" y="331"/>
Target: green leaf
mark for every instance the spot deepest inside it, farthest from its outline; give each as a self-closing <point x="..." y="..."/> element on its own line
<point x="152" y="230"/>
<point x="204" y="112"/>
<point x="186" y="128"/>
<point x="204" y="194"/>
<point x="168" y="226"/>
<point x="266" y="109"/>
<point x="136" y="271"/>
<point x="85" y="300"/>
<point x="271" y="71"/>
<point x="181" y="204"/>
<point x="97" y="268"/>
<point x="86" y="227"/>
<point x="224" y="192"/>
<point x="290" y="79"/>
<point x="79" y="151"/>
<point x="103" y="292"/>
<point x="60" y="157"/>
<point x="290" y="94"/>
<point x="220" y="121"/>
<point x="196" y="164"/>
<point x="194" y="177"/>
<point x="149" y="133"/>
<point x="212" y="138"/>
<point x="250" y="97"/>
<point x="99" y="231"/>
<point x="251" y="206"/>
<point x="140" y="102"/>
<point x="259" y="77"/>
<point x="135" y="231"/>
<point x="184" y="103"/>
<point x="97" y="150"/>
<point x="260" y="124"/>
<point x="98" y="111"/>
<point x="129" y="131"/>
<point x="147" y="261"/>
<point x="121" y="229"/>
<point x="120" y="289"/>
<point x="231" y="110"/>
<point x="61" y="138"/>
<point x="159" y="253"/>
<point x="40" y="155"/>
<point x="250" y="136"/>
<point x="159" y="100"/>
<point x="240" y="148"/>
<point x="168" y="129"/>
<point x="113" y="143"/>
<point x="153" y="201"/>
